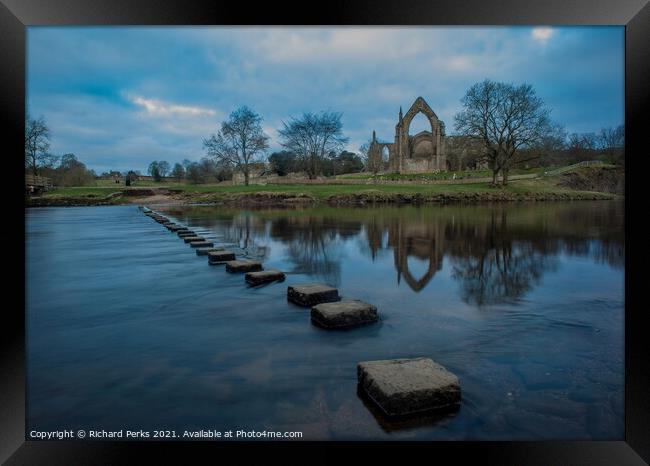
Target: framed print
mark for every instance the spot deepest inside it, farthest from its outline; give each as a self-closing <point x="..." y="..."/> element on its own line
<point x="401" y="228"/>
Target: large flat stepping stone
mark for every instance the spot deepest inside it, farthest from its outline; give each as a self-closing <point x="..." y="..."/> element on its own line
<point x="205" y="251"/>
<point x="201" y="244"/>
<point x="220" y="257"/>
<point x="264" y="276"/>
<point x="185" y="233"/>
<point x="345" y="313"/>
<point x="243" y="265"/>
<point x="311" y="294"/>
<point x="176" y="228"/>
<point x="405" y="387"/>
<point x="189" y="239"/>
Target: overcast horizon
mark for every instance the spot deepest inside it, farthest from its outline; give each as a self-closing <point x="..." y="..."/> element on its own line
<point x="121" y="97"/>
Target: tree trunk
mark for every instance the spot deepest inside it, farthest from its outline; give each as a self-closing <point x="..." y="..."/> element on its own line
<point x="34" y="165"/>
<point x="246" y="176"/>
<point x="505" y="176"/>
<point x="495" y="172"/>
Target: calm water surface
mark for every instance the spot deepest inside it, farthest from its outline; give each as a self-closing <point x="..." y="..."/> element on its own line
<point x="129" y="329"/>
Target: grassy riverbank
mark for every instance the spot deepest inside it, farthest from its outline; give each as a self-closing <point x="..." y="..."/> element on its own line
<point x="540" y="189"/>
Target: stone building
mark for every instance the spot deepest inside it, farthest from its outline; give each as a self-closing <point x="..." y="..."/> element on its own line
<point x="426" y="151"/>
<point x="422" y="152"/>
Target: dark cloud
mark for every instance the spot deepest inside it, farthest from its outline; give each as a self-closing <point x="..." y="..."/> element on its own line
<point x="121" y="97"/>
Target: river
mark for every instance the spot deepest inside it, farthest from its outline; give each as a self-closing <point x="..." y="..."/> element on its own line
<point x="127" y="328"/>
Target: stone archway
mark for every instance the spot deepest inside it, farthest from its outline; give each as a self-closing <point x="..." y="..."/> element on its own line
<point x="376" y="152"/>
<point x="420" y="106"/>
<point x="422" y="152"/>
<point x="429" y="148"/>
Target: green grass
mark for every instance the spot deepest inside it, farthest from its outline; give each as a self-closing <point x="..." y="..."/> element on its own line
<point x="211" y="192"/>
<point x="460" y="175"/>
<point x="323" y="191"/>
<point x="84" y="191"/>
<point x="137" y="184"/>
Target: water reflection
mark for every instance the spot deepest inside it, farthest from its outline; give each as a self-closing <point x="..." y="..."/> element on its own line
<point x="127" y="323"/>
<point x="314" y="244"/>
<point x="496" y="254"/>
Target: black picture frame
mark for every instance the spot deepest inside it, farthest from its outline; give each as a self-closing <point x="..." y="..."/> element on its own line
<point x="16" y="15"/>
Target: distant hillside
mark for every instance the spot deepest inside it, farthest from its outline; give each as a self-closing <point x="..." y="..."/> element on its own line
<point x="607" y="179"/>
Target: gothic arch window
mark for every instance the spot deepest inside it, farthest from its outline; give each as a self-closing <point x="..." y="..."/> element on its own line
<point x="419" y="123"/>
<point x="385" y="154"/>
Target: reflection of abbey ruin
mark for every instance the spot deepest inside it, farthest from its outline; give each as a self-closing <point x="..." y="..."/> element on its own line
<point x="425" y="151"/>
<point x="424" y="242"/>
<point x="495" y="254"/>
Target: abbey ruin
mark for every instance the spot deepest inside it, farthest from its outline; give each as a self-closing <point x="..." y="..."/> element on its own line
<point x="426" y="151"/>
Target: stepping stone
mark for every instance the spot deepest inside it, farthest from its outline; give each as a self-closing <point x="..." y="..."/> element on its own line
<point x="346" y="313"/>
<point x="186" y="233"/>
<point x="205" y="251"/>
<point x="189" y="239"/>
<point x="220" y="257"/>
<point x="404" y="387"/>
<point x="177" y="228"/>
<point x="201" y="244"/>
<point x="265" y="276"/>
<point x="311" y="294"/>
<point x="243" y="266"/>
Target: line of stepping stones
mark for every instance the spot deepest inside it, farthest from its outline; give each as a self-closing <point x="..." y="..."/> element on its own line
<point x="399" y="387"/>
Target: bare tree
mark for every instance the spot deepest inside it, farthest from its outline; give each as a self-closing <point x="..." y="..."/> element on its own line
<point x="163" y="168"/>
<point x="372" y="160"/>
<point x="612" y="142"/>
<point x="582" y="146"/>
<point x="506" y="118"/>
<point x="364" y="150"/>
<point x="313" y="136"/>
<point x="552" y="146"/>
<point x="240" y="142"/>
<point x="37" y="143"/>
<point x="178" y="172"/>
<point x="154" y="170"/>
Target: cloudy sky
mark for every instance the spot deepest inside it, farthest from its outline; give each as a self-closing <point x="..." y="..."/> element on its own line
<point x="120" y="97"/>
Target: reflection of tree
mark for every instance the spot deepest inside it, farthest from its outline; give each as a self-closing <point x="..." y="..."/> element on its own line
<point x="495" y="267"/>
<point x="504" y="271"/>
<point x="314" y="244"/>
<point x="605" y="251"/>
<point x="498" y="253"/>
<point x="246" y="231"/>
